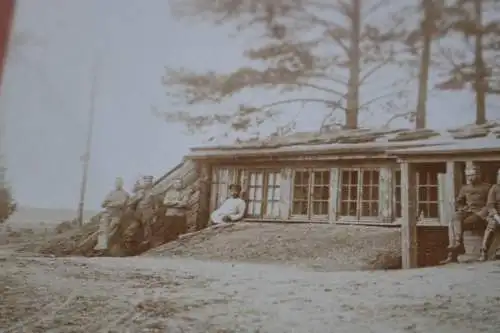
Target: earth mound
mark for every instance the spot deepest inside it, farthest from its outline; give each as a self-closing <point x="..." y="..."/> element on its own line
<point x="316" y="246"/>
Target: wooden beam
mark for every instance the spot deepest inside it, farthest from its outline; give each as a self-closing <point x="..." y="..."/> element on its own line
<point x="203" y="214"/>
<point x="285" y="193"/>
<point x="334" y="194"/>
<point x="409" y="220"/>
<point x="465" y="157"/>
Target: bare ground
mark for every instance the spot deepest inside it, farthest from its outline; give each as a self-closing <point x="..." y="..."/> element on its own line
<point x="322" y="247"/>
<point x="245" y="278"/>
<point x="143" y="294"/>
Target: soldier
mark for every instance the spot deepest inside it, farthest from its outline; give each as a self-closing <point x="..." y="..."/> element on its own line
<point x="113" y="205"/>
<point x="493" y="204"/>
<point x="176" y="202"/>
<point x="232" y="210"/>
<point x="146" y="206"/>
<point x="471" y="211"/>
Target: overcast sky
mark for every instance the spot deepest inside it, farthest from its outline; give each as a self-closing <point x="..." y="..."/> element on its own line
<point x="46" y="93"/>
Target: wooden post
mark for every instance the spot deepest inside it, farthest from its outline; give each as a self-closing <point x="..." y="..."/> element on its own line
<point x="205" y="174"/>
<point x="409" y="221"/>
<point x="334" y="194"/>
<point x="285" y="193"/>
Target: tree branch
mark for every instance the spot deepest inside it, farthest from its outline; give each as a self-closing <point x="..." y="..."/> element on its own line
<point x="404" y="115"/>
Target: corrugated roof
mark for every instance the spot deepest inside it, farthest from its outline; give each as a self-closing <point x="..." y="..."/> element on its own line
<point x="358" y="141"/>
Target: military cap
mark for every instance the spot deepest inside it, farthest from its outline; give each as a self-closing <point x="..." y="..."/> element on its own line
<point x="473" y="169"/>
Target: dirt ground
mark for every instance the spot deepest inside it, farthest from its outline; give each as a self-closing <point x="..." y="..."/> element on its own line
<point x="322" y="247"/>
<point x="246" y="278"/>
<point x="146" y="294"/>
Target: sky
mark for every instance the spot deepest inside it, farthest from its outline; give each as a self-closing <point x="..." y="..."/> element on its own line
<point x="58" y="45"/>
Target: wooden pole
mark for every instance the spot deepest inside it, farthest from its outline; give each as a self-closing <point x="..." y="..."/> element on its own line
<point x="88" y="148"/>
<point x="409" y="209"/>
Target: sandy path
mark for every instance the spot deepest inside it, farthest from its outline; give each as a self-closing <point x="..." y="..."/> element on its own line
<point x="187" y="295"/>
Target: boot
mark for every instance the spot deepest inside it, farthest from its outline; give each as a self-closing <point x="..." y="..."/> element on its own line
<point x="452" y="258"/>
<point x="483" y="256"/>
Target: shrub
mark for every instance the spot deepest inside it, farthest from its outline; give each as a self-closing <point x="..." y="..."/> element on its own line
<point x="7" y="204"/>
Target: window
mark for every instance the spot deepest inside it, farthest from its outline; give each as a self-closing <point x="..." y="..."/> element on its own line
<point x="427" y="194"/>
<point x="219" y="188"/>
<point x="359" y="193"/>
<point x="311" y="193"/>
<point x="264" y="194"/>
<point x="427" y="191"/>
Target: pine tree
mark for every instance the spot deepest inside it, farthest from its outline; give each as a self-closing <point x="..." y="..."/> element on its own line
<point x="326" y="47"/>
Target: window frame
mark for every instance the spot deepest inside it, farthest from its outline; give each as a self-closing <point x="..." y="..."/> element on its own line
<point x="359" y="196"/>
<point x="220" y="181"/>
<point x="265" y="186"/>
<point x="397" y="199"/>
<point x="309" y="216"/>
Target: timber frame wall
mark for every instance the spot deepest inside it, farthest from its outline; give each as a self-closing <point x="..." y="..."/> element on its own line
<point x="376" y="203"/>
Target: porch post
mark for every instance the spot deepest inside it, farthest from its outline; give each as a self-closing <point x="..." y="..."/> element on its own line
<point x="409" y="211"/>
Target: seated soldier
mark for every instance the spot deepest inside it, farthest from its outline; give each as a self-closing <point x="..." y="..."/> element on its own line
<point x="493" y="204"/>
<point x="232" y="210"/>
<point x="471" y="212"/>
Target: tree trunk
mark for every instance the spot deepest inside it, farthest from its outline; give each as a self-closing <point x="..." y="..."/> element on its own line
<point x="354" y="68"/>
<point x="425" y="58"/>
<point x="480" y="85"/>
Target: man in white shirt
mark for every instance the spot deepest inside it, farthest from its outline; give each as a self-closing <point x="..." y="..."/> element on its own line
<point x="232" y="210"/>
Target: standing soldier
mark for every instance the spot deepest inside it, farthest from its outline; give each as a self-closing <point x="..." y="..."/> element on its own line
<point x="146" y="207"/>
<point x="493" y="205"/>
<point x="471" y="211"/>
<point x="176" y="202"/>
<point x="113" y="205"/>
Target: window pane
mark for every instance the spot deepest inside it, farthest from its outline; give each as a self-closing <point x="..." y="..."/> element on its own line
<point x="277" y="178"/>
<point x="277" y="194"/>
<point x="352" y="208"/>
<point x="369" y="209"/>
<point x="422" y="193"/>
<point x="301" y="178"/>
<point x="258" y="193"/>
<point x="299" y="208"/>
<point x="320" y="208"/>
<point x="321" y="192"/>
<point x="272" y="209"/>
<point x="250" y="208"/>
<point x="253" y="179"/>
<point x="433" y="193"/>
<point x="300" y="193"/>
<point x="321" y="177"/>
<point x="270" y="178"/>
<point x="353" y="192"/>
<point x="353" y="179"/>
<point x="251" y="193"/>
<point x="256" y="209"/>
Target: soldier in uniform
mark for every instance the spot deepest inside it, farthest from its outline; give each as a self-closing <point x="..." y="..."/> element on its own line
<point x="493" y="204"/>
<point x="470" y="212"/>
<point x="113" y="205"/>
<point x="176" y="203"/>
<point x="146" y="207"/>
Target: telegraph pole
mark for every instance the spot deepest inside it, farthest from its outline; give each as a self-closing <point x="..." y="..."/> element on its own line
<point x="88" y="145"/>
